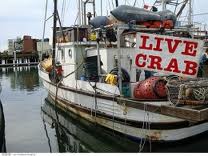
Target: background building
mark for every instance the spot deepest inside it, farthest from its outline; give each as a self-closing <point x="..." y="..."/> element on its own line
<point x="43" y="48"/>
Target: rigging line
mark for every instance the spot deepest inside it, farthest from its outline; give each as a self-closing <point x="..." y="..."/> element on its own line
<point x="67" y="8"/>
<point x="112" y="4"/>
<point x="175" y="7"/>
<point x="143" y="2"/>
<point x="149" y="128"/>
<point x="76" y="18"/>
<point x="125" y="115"/>
<point x="71" y="72"/>
<point x="138" y="4"/>
<point x="109" y="5"/>
<point x="127" y="2"/>
<point x="185" y="18"/>
<point x="56" y="101"/>
<point x="113" y="113"/>
<point x="56" y="95"/>
<point x="63" y="10"/>
<point x="61" y="28"/>
<point x="0" y="88"/>
<point x="57" y="123"/>
<point x="49" y="18"/>
<point x="135" y="3"/>
<point x="114" y="98"/>
<point x="57" y="87"/>
<point x="143" y="140"/>
<point x="44" y="26"/>
<point x="146" y="128"/>
<point x="106" y="4"/>
<point x="95" y="103"/>
<point x="2" y="133"/>
<point x="200" y="14"/>
<point x="46" y="131"/>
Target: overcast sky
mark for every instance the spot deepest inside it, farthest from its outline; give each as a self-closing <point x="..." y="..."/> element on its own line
<point x="25" y="17"/>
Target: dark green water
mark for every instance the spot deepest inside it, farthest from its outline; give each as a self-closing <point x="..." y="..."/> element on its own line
<point x="34" y="125"/>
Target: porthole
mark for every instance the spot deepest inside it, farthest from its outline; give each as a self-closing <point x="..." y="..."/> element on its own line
<point x="70" y="53"/>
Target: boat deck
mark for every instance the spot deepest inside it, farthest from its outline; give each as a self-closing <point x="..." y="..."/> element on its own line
<point x="195" y="113"/>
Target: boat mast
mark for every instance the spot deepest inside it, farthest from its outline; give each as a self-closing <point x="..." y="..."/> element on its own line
<point x="54" y="32"/>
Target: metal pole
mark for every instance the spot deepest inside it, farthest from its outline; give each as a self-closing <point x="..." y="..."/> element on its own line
<point x="54" y="32"/>
<point x="119" y="32"/>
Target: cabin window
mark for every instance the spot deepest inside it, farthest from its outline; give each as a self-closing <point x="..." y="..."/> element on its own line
<point x="70" y="53"/>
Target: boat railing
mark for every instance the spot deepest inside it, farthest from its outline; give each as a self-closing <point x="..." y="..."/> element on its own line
<point x="143" y="28"/>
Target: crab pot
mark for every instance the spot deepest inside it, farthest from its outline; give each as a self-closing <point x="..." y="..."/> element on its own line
<point x="189" y="92"/>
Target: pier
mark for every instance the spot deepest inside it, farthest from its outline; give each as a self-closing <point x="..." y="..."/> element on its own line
<point x="18" y="59"/>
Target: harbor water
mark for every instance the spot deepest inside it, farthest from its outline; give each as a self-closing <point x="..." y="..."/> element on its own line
<point x="33" y="124"/>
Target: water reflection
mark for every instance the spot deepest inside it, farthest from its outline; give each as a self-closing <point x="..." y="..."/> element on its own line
<point x="2" y="130"/>
<point x="21" y="78"/>
<point x="73" y="134"/>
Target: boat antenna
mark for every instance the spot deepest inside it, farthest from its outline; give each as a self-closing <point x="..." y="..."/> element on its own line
<point x="117" y="3"/>
<point x="54" y="32"/>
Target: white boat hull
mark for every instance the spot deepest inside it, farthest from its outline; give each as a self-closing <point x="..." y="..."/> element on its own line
<point x="109" y="113"/>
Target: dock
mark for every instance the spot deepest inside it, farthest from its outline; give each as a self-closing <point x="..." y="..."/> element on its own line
<point x="19" y="64"/>
<point x="20" y="59"/>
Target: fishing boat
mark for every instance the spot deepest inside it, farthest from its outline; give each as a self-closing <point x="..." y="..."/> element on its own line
<point x="97" y="77"/>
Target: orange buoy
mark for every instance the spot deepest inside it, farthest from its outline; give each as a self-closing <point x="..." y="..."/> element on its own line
<point x="151" y="88"/>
